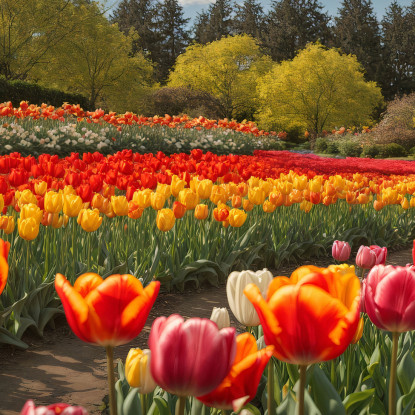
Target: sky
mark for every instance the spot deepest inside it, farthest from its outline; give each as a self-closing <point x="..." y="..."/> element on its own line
<point x="193" y="7"/>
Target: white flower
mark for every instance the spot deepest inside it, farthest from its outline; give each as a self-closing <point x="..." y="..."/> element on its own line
<point x="221" y="317"/>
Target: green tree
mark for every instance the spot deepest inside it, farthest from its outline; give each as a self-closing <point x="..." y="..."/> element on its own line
<point x="291" y="24"/>
<point x="357" y="32"/>
<point x="249" y="19"/>
<point x="319" y="89"/>
<point x="227" y="69"/>
<point x="215" y="23"/>
<point x="97" y="61"/>
<point x="174" y="38"/>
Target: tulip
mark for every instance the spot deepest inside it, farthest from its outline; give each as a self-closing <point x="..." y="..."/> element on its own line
<point x="179" y="209"/>
<point x="190" y="358"/>
<point x="221" y="213"/>
<point x="241" y="384"/>
<point x="177" y="185"/>
<point x="188" y="198"/>
<point x="164" y="189"/>
<point x="142" y="198"/>
<point x="247" y="205"/>
<point x="7" y="224"/>
<point x="389" y="301"/>
<point x="237" y="218"/>
<point x="365" y="258"/>
<point x="4" y="266"/>
<point x="106" y="312"/>
<point x="134" y="212"/>
<point x="165" y="219"/>
<point x="89" y="219"/>
<point x="240" y="306"/>
<point x="221" y="317"/>
<point x="256" y="195"/>
<point x="157" y="200"/>
<point x="137" y="370"/>
<point x="53" y="202"/>
<point x="201" y="212"/>
<point x="28" y="228"/>
<point x="218" y="195"/>
<point x="41" y="188"/>
<point x="380" y="253"/>
<point x="27" y="197"/>
<point x="268" y="207"/>
<point x="341" y="251"/>
<point x="204" y="188"/>
<point x="72" y="205"/>
<point x="119" y="205"/>
<point x="29" y="408"/>
<point x="31" y="211"/>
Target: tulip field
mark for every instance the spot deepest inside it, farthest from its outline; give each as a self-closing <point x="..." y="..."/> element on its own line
<point x="97" y="234"/>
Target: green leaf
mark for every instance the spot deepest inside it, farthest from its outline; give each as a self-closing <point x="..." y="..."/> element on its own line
<point x="358" y="400"/>
<point x="406" y="372"/>
<point x="132" y="404"/>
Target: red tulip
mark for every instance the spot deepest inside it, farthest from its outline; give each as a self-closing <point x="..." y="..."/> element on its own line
<point x="241" y="384"/>
<point x="107" y="312"/>
<point x="190" y="358"/>
<point x="55" y="409"/>
<point x="340" y="251"/>
<point x="389" y="296"/>
<point x="4" y="266"/>
<point x="365" y="258"/>
<point x="380" y="253"/>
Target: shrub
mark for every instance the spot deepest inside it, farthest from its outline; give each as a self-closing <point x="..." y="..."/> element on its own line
<point x="321" y="144"/>
<point x="180" y="100"/>
<point x="397" y="125"/>
<point x="393" y="150"/>
<point x="17" y="91"/>
<point x="371" y="151"/>
<point x="332" y="147"/>
<point x="350" y="148"/>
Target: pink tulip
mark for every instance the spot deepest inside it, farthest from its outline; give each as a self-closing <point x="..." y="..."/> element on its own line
<point x="365" y="258"/>
<point x="55" y="409"/>
<point x="380" y="253"/>
<point x="190" y="358"/>
<point x="389" y="296"/>
<point x="413" y="252"/>
<point x="340" y="251"/>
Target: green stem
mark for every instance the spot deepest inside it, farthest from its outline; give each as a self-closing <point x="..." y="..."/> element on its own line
<point x="303" y="372"/>
<point x="73" y="246"/>
<point x="270" y="388"/>
<point x="362" y="276"/>
<point x="46" y="251"/>
<point x="111" y="379"/>
<point x="89" y="253"/>
<point x="143" y="404"/>
<point x="392" y="380"/>
<point x="26" y="273"/>
<point x="180" y="405"/>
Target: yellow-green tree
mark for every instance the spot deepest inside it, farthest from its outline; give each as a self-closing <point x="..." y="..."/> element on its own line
<point x="97" y="62"/>
<point x="319" y="89"/>
<point x="228" y="69"/>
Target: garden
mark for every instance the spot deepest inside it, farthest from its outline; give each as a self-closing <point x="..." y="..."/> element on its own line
<point x="113" y="255"/>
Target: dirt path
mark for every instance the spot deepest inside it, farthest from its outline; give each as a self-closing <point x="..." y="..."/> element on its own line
<point x="62" y="368"/>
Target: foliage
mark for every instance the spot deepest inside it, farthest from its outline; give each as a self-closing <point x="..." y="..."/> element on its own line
<point x="393" y="150"/>
<point x="103" y="70"/>
<point x="397" y="125"/>
<point x="226" y="69"/>
<point x="249" y="19"/>
<point x="350" y="148"/>
<point x="318" y="89"/>
<point x="17" y="91"/>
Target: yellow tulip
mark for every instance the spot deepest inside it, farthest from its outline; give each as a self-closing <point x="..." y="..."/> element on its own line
<point x="256" y="195"/>
<point x="69" y="190"/>
<point x="164" y="189"/>
<point x="119" y="205"/>
<point x="89" y="219"/>
<point x="201" y="212"/>
<point x="97" y="202"/>
<point x="236" y="218"/>
<point x="188" y="198"/>
<point x="27" y="197"/>
<point x="28" y="228"/>
<point x="72" y="204"/>
<point x="306" y="206"/>
<point x="177" y="185"/>
<point x="142" y="198"/>
<point x="40" y="188"/>
<point x="157" y="200"/>
<point x="165" y="219"/>
<point x="218" y="195"/>
<point x="300" y="182"/>
<point x="268" y="207"/>
<point x="7" y="224"/>
<point x="1" y="203"/>
<point x="405" y="203"/>
<point x="137" y="370"/>
<point x="53" y="202"/>
<point x="31" y="211"/>
<point x="204" y="188"/>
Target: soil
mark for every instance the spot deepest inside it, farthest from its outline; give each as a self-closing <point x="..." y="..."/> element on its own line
<point x="61" y="368"/>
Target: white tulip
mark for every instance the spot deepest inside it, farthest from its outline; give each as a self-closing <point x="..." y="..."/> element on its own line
<point x="221" y="317"/>
<point x="241" y="307"/>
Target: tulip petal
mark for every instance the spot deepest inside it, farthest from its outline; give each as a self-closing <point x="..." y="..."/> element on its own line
<point x="85" y="283"/>
<point x="276" y="284"/>
<point x="246" y="345"/>
<point x="4" y="271"/>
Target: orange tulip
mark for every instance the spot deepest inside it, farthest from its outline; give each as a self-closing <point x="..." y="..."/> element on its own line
<point x="201" y="212"/>
<point x="311" y="316"/>
<point x="241" y="384"/>
<point x="106" y="312"/>
<point x="4" y="266"/>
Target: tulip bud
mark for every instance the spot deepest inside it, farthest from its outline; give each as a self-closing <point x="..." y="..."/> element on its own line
<point x="119" y="205"/>
<point x="240" y="306"/>
<point x="365" y="258"/>
<point x="165" y="219"/>
<point x="40" y="188"/>
<point x="201" y="212"/>
<point x="28" y="228"/>
<point x="341" y="251"/>
<point x="221" y="317"/>
<point x="137" y="370"/>
<point x="179" y="209"/>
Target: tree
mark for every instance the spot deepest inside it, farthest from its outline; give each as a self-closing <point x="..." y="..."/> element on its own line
<point x="291" y="24"/>
<point x="227" y="69"/>
<point x="319" y="89"/>
<point x="141" y="16"/>
<point x="214" y="24"/>
<point x="29" y="29"/>
<point x="98" y="62"/>
<point x="357" y="32"/>
<point x="398" y="52"/>
<point x="174" y="38"/>
<point x="249" y="19"/>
